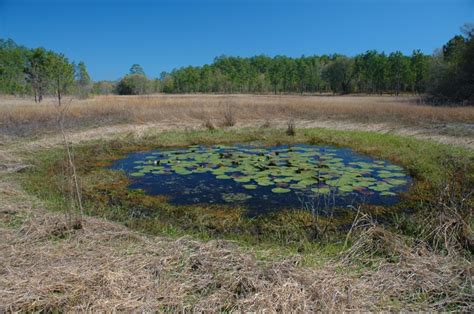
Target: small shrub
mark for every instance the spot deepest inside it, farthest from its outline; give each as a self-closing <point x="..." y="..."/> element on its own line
<point x="229" y="116"/>
<point x="291" y="128"/>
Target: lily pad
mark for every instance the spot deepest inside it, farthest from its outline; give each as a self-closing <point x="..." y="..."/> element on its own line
<point x="280" y="190"/>
<point x="250" y="186"/>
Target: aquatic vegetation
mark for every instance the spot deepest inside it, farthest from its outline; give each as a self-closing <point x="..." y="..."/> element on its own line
<point x="235" y="197"/>
<point x="213" y="174"/>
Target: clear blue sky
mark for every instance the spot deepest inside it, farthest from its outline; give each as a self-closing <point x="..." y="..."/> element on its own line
<point x="109" y="36"/>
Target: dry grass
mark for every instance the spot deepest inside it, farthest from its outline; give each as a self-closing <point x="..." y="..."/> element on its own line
<point x="24" y="117"/>
<point x="413" y="272"/>
<point x="104" y="267"/>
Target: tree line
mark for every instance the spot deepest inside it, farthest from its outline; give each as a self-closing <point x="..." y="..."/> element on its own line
<point x="370" y="72"/>
<point x="39" y="72"/>
<point x="446" y="76"/>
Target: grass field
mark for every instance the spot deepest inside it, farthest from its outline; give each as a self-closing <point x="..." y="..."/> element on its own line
<point x="418" y="257"/>
<point x="22" y="117"/>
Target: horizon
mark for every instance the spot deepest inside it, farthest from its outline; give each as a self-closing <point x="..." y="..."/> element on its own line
<point x="163" y="36"/>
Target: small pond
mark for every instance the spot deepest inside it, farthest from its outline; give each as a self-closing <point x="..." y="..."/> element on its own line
<point x="265" y="179"/>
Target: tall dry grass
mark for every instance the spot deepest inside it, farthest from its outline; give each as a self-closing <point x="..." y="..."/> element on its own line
<point x="19" y="116"/>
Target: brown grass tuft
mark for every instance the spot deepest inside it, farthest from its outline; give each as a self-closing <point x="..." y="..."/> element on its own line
<point x="208" y="124"/>
<point x="412" y="272"/>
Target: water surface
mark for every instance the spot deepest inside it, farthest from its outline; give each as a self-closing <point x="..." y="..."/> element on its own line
<point x="265" y="179"/>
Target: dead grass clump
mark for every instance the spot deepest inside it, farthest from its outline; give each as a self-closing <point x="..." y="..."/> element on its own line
<point x="447" y="222"/>
<point x="266" y="124"/>
<point x="373" y="242"/>
<point x="45" y="227"/>
<point x="208" y="124"/>
<point x="412" y="272"/>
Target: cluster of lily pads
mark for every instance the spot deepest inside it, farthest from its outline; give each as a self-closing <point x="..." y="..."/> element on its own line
<point x="283" y="169"/>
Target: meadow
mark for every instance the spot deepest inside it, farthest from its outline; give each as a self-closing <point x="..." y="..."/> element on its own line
<point x="133" y="251"/>
<point x="23" y="117"/>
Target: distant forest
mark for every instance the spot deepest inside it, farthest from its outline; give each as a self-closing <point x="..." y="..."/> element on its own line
<point x="447" y="76"/>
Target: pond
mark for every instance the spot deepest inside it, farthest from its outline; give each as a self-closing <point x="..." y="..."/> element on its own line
<point x="266" y="179"/>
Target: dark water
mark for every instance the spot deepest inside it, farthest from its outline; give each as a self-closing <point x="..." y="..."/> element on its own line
<point x="266" y="179"/>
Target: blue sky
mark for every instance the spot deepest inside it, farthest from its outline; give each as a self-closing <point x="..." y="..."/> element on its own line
<point x="109" y="36"/>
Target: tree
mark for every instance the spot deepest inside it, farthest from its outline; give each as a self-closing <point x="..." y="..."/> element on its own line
<point x="132" y="84"/>
<point x="60" y="73"/>
<point x="137" y="69"/>
<point x="339" y="74"/>
<point x="398" y="71"/>
<point x="451" y="71"/>
<point x="37" y="72"/>
<point x="452" y="50"/>
<point x="12" y="64"/>
<point x="419" y="71"/>
<point x="83" y="80"/>
<point x="103" y="87"/>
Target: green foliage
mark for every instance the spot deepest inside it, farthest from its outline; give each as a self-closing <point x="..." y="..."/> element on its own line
<point x="132" y="84"/>
<point x="371" y="72"/>
<point x="12" y="64"/>
<point x="37" y="72"/>
<point x="34" y="71"/>
<point x="339" y="74"/>
<point x="451" y="71"/>
<point x="103" y="87"/>
<point x="83" y="80"/>
<point x="137" y="69"/>
<point x="60" y="73"/>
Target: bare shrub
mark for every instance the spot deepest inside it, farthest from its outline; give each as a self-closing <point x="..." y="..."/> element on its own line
<point x="75" y="210"/>
<point x="291" y="128"/>
<point x="229" y="116"/>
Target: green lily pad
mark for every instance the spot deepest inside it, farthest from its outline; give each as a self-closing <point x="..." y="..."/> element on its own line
<point x="280" y="190"/>
<point x="250" y="186"/>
